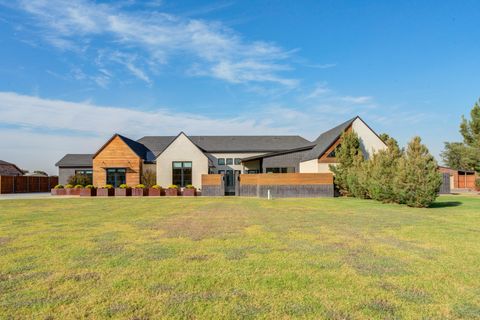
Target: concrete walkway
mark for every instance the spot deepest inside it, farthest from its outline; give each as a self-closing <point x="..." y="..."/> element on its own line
<point x="25" y="196"/>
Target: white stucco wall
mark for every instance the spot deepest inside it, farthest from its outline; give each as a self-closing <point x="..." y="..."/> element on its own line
<point x="310" y="166"/>
<point x="181" y="149"/>
<point x="369" y="141"/>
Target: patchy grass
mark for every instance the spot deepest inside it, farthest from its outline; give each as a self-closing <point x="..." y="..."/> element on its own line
<point x="238" y="258"/>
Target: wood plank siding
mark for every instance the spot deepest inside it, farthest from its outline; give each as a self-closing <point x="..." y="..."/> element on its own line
<point x="116" y="154"/>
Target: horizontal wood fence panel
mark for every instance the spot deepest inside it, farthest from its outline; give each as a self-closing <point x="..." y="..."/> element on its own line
<point x="286" y="178"/>
<point x="212" y="179"/>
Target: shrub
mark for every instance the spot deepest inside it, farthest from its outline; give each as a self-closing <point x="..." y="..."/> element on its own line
<point x="477" y="183"/>
<point x="173" y="186"/>
<point x="107" y="186"/>
<point x="68" y="186"/>
<point x="124" y="186"/>
<point x="348" y="155"/>
<point x="78" y="186"/>
<point x="383" y="168"/>
<point x="81" y="179"/>
<point x="156" y="186"/>
<point x="149" y="178"/>
<point x="417" y="181"/>
<point x="58" y="186"/>
<point x="89" y="186"/>
<point x="140" y="186"/>
<point x="190" y="186"/>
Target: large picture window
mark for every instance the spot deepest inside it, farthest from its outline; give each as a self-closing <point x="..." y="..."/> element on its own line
<point x="182" y="173"/>
<point x="116" y="176"/>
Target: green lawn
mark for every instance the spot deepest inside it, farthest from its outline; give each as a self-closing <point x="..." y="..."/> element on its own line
<point x="204" y="258"/>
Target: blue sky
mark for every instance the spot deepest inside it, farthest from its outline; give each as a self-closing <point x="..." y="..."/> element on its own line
<point x="74" y="72"/>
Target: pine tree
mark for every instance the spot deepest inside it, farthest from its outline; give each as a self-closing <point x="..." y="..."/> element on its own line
<point x="382" y="170"/>
<point x="346" y="155"/>
<point x="466" y="154"/>
<point x="417" y="181"/>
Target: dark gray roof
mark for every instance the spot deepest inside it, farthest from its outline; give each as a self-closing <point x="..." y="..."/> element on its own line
<point x="156" y="144"/>
<point x="141" y="150"/>
<point x="230" y="143"/>
<point x="9" y="169"/>
<point x="326" y="139"/>
<point x="75" y="160"/>
<point x="272" y="154"/>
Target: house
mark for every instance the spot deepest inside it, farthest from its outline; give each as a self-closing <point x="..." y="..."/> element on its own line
<point x="459" y="178"/>
<point x="183" y="159"/>
<point x="72" y="164"/>
<point x="9" y="169"/>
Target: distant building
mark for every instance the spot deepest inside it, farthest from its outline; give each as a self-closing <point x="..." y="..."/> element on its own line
<point x="9" y="169"/>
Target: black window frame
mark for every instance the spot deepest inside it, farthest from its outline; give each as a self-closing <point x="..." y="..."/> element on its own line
<point x="229" y="161"/>
<point x="279" y="170"/>
<point x="237" y="161"/>
<point x="114" y="176"/>
<point x="184" y="177"/>
<point x="221" y="161"/>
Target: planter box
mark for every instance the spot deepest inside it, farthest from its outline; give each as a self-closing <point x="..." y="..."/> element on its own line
<point x="73" y="191"/>
<point x="58" y="192"/>
<point x="152" y="192"/>
<point x="171" y="192"/>
<point x="87" y="192"/>
<point x="189" y="192"/>
<point x="138" y="192"/>
<point x="119" y="192"/>
<point x="103" y="192"/>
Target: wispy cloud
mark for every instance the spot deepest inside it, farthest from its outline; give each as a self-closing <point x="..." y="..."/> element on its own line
<point x="212" y="48"/>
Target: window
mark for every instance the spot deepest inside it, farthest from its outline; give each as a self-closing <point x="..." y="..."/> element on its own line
<point x="280" y="170"/>
<point x="116" y="176"/>
<point x="221" y="161"/>
<point x="221" y="171"/>
<point x="182" y="173"/>
<point x="86" y="172"/>
<point x="238" y="161"/>
<point x="252" y="171"/>
<point x="332" y="154"/>
<point x="229" y="161"/>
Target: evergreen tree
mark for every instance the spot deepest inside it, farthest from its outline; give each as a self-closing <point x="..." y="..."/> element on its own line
<point x="346" y="155"/>
<point x="417" y="181"/>
<point x="465" y="155"/>
<point x="383" y="168"/>
<point x="470" y="129"/>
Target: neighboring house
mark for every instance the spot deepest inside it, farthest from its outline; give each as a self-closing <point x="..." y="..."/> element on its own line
<point x="9" y="169"/>
<point x="183" y="159"/>
<point x="460" y="179"/>
<point x="72" y="164"/>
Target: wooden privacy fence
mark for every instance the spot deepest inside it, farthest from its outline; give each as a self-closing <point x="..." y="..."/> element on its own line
<point x="23" y="184"/>
<point x="284" y="185"/>
<point x="213" y="185"/>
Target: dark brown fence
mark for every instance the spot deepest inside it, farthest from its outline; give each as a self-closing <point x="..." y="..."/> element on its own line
<point x="284" y="185"/>
<point x="23" y="184"/>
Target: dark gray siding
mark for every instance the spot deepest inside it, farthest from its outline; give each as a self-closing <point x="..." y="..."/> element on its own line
<point x="284" y="160"/>
<point x="65" y="173"/>
<point x="288" y="191"/>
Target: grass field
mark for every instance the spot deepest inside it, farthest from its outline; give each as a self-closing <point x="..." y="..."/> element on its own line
<point x="212" y="258"/>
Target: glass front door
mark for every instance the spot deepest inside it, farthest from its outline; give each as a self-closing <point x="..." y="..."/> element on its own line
<point x="116" y="176"/>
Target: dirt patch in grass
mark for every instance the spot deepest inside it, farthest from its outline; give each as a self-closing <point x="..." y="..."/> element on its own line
<point x="382" y="307"/>
<point x="369" y="263"/>
<point x="467" y="311"/>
